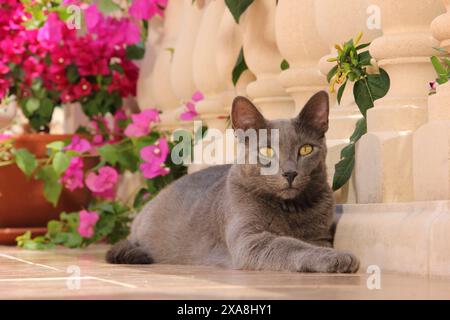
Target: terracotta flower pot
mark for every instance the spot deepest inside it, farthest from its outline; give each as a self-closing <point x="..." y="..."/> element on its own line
<point x="22" y="203"/>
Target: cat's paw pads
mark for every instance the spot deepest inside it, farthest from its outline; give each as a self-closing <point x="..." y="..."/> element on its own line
<point x="339" y="262"/>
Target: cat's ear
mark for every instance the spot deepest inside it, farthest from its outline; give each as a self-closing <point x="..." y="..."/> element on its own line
<point x="315" y="112"/>
<point x="244" y="115"/>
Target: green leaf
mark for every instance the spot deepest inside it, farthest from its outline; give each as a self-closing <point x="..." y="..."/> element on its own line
<point x="60" y="162"/>
<point x="343" y="171"/>
<point x="122" y="154"/>
<point x="135" y="52"/>
<point x="348" y="151"/>
<point x="73" y="240"/>
<point x="369" y="89"/>
<point x="54" y="227"/>
<point x="72" y="74"/>
<point x="238" y="7"/>
<point x="362" y="46"/>
<point x="440" y="69"/>
<point x="55" y="146"/>
<point x="365" y="58"/>
<point x="139" y="199"/>
<point x="341" y="92"/>
<point x="107" y="6"/>
<point x="239" y="67"/>
<point x="38" y="243"/>
<point x="109" y="153"/>
<point x="26" y="161"/>
<point x="32" y="105"/>
<point x="52" y="187"/>
<point x="332" y="73"/>
<point x="379" y="84"/>
<point x="284" y="65"/>
<point x="360" y="130"/>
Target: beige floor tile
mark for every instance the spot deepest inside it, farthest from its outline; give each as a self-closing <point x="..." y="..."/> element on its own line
<point x="44" y="275"/>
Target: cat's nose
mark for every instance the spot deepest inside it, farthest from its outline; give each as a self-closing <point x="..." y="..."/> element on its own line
<point x="290" y="176"/>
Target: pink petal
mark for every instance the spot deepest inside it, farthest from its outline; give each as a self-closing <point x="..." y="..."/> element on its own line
<point x="187" y="116"/>
<point x="197" y="96"/>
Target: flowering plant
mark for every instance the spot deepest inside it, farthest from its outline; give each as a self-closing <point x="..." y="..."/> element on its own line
<point x="441" y="65"/>
<point x="46" y="59"/>
<point x="141" y="149"/>
<point x="371" y="83"/>
<point x="44" y="63"/>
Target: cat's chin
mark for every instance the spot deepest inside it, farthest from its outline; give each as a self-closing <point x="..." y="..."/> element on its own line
<point x="289" y="193"/>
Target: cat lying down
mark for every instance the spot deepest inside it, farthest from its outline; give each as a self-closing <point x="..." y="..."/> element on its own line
<point x="235" y="217"/>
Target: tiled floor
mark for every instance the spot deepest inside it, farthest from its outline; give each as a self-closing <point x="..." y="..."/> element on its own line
<point x="66" y="274"/>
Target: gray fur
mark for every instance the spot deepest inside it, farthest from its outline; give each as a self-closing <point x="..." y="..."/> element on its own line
<point x="231" y="216"/>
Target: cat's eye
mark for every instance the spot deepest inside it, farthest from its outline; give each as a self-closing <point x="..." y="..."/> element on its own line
<point x="305" y="150"/>
<point x="267" y="152"/>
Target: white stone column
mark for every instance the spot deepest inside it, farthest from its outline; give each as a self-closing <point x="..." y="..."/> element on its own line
<point x="160" y="84"/>
<point x="145" y="93"/>
<point x="205" y="69"/>
<point x="384" y="155"/>
<point x="264" y="59"/>
<point x="230" y="42"/>
<point x="337" y="22"/>
<point x="431" y="144"/>
<point x="300" y="44"/>
<point x="181" y="67"/>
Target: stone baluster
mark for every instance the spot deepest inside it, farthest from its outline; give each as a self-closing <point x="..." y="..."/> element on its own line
<point x="299" y="43"/>
<point x="431" y="142"/>
<point x="384" y="166"/>
<point x="145" y="95"/>
<point x="229" y="44"/>
<point x="264" y="60"/>
<point x="205" y="70"/>
<point x="348" y="19"/>
<point x="181" y="67"/>
<point x="159" y="83"/>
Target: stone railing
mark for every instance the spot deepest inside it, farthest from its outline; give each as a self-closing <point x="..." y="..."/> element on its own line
<point x="196" y="46"/>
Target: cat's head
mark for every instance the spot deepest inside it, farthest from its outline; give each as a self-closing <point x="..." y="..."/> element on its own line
<point x="301" y="152"/>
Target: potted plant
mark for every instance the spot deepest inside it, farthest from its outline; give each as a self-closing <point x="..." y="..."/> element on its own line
<point x="49" y="61"/>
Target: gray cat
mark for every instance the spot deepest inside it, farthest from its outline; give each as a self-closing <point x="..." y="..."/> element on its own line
<point x="234" y="217"/>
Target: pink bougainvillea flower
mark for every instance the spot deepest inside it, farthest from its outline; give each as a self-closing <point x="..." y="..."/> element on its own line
<point x="197" y="96"/>
<point x="4" y="69"/>
<point x="52" y="29"/>
<point x="82" y="89"/>
<point x="146" y="9"/>
<point x="93" y="17"/>
<point x="67" y="96"/>
<point x="131" y="32"/>
<point x="72" y="178"/>
<point x="157" y="152"/>
<point x="88" y="219"/>
<point x="32" y="68"/>
<point x="141" y="122"/>
<point x="191" y="111"/>
<point x="79" y="145"/>
<point x="154" y="157"/>
<point x="104" y="183"/>
<point x="150" y="170"/>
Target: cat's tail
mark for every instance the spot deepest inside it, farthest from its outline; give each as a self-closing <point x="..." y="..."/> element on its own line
<point x="125" y="252"/>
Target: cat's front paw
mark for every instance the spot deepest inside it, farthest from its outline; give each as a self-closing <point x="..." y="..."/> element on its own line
<point x="334" y="261"/>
